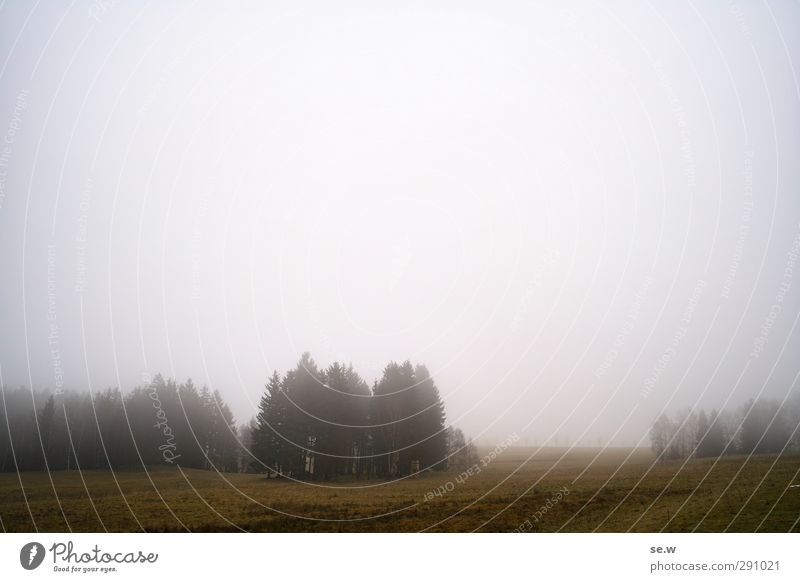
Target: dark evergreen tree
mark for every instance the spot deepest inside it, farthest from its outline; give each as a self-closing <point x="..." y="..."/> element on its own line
<point x="346" y="410"/>
<point x="269" y="444"/>
<point x="410" y="423"/>
<point x="389" y="409"/>
<point x="429" y="423"/>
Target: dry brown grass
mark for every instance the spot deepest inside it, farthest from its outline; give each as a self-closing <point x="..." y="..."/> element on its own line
<point x="501" y="497"/>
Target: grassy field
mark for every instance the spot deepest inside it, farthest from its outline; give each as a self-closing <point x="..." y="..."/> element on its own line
<point x="605" y="494"/>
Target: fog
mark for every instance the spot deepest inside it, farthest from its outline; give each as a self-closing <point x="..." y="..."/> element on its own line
<point x="577" y="218"/>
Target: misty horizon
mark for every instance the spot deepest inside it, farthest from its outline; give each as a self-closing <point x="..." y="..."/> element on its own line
<point x="523" y="438"/>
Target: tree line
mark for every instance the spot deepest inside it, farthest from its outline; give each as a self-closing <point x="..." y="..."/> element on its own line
<point x="758" y="426"/>
<point x="312" y="424"/>
<point x="160" y="422"/>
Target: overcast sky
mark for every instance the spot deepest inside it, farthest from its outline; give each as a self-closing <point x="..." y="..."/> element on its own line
<point x="577" y="217"/>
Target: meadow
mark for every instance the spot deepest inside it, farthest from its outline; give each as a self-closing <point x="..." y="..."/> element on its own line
<point x="523" y="489"/>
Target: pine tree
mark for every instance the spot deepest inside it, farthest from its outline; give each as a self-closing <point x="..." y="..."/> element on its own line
<point x="268" y="443"/>
<point x="388" y="411"/>
<point x="430" y="422"/>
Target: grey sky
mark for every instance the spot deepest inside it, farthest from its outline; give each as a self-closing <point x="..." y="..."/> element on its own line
<point x="575" y="216"/>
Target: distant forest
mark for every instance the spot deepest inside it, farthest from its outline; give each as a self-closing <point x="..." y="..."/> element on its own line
<point x="312" y="424"/>
<point x="162" y="422"/>
<point x="759" y="426"/>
